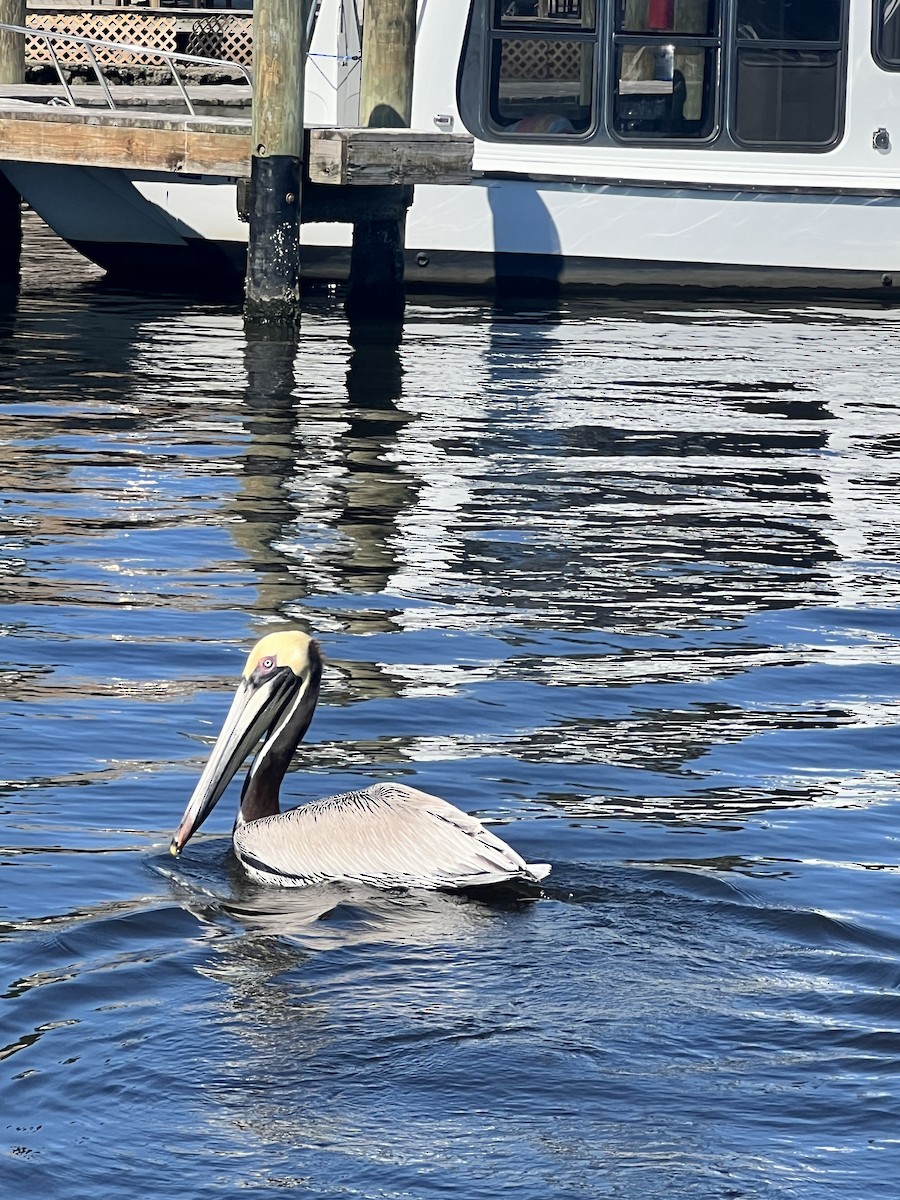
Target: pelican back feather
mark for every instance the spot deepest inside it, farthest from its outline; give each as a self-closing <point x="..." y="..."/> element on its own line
<point x="388" y="835"/>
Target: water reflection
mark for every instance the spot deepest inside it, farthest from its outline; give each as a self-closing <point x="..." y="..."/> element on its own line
<point x="378" y="493"/>
<point x="327" y="917"/>
<point x="327" y="990"/>
<point x="319" y="491"/>
<point x="562" y="542"/>
<point x="259" y="509"/>
<point x="621" y="579"/>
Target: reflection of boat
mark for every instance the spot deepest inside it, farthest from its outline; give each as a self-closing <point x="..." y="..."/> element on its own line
<point x="708" y="143"/>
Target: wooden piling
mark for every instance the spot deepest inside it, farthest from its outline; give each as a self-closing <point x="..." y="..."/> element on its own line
<point x="375" y="286"/>
<point x="12" y="45"/>
<point x="273" y="258"/>
<point x="12" y="71"/>
<point x="388" y="54"/>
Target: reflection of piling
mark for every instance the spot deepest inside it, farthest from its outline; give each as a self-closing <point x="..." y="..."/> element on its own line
<point x="12" y="70"/>
<point x="262" y="508"/>
<point x="377" y="490"/>
<point x="375" y="285"/>
<point x="273" y="258"/>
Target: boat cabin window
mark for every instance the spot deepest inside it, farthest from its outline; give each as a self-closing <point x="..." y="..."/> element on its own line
<point x="542" y="68"/>
<point x="886" y="41"/>
<point x="666" y="56"/>
<point x="760" y="74"/>
<point x="789" y="72"/>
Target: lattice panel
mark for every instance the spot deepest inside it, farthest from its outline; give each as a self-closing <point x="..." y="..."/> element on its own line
<point x="229" y="37"/>
<point x="113" y="27"/>
<point x="540" y="58"/>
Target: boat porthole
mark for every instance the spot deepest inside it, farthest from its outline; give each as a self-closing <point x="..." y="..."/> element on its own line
<point x="887" y="280"/>
<point x="422" y="260"/>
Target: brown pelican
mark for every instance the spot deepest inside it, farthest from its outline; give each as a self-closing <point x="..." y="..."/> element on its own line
<point x="389" y="835"/>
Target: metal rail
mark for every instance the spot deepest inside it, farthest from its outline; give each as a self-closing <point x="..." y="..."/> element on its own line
<point x="171" y="57"/>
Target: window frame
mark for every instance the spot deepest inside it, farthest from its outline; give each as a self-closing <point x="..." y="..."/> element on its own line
<point x="714" y="42"/>
<point x="886" y="64"/>
<point x="497" y="32"/>
<point x="840" y="48"/>
<point x="486" y="30"/>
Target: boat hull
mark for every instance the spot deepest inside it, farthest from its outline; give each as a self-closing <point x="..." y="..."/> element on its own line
<point x="151" y="230"/>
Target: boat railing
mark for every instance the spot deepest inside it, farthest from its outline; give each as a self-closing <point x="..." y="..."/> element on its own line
<point x="172" y="58"/>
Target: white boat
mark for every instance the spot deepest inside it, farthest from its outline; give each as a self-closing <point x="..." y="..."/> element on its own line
<point x="703" y="144"/>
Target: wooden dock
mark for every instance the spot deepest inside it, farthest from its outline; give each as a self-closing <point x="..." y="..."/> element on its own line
<point x="287" y="173"/>
<point x="212" y="145"/>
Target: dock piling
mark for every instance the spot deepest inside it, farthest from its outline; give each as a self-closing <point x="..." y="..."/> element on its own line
<point x="273" y="257"/>
<point x="12" y="45"/>
<point x="375" y="286"/>
<point x="388" y="56"/>
<point x="12" y="71"/>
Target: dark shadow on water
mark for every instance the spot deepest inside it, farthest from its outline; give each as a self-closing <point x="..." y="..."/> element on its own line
<point x="203" y="287"/>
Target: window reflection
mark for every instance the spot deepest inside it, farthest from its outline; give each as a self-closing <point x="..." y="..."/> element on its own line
<point x="542" y="86"/>
<point x="790" y="20"/>
<point x="887" y="32"/>
<point x="651" y="69"/>
<point x="787" y="96"/>
<point x="698" y="18"/>
<point x="787" y="84"/>
<point x="557" y="14"/>
<point x="664" y="89"/>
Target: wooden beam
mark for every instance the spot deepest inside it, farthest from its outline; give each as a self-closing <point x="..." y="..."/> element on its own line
<point x="387" y="156"/>
<point x="347" y="205"/>
<point x="129" y="141"/>
<point x="222" y="145"/>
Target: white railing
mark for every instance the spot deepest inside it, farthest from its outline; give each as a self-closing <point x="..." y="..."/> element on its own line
<point x="171" y="57"/>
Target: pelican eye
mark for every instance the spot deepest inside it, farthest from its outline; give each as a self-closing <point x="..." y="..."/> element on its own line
<point x="267" y="664"/>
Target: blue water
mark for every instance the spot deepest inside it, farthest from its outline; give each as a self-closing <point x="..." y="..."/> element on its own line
<point x="623" y="580"/>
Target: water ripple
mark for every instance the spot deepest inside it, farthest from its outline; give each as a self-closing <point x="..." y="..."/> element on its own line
<point x="621" y="579"/>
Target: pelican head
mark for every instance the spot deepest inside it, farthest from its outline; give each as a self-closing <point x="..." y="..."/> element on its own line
<point x="275" y="702"/>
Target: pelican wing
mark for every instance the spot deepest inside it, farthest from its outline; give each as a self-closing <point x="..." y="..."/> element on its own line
<point x="388" y="835"/>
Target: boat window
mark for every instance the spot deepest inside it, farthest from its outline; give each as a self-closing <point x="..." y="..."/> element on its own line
<point x="696" y="17"/>
<point x="664" y="90"/>
<point x="545" y="14"/>
<point x="539" y="65"/>
<point x="643" y="72"/>
<point x="790" y="20"/>
<point x="789" y="73"/>
<point x="666" y="65"/>
<point x="541" y="86"/>
<point x="887" y="33"/>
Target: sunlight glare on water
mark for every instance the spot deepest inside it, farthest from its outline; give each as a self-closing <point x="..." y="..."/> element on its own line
<point x="621" y="580"/>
